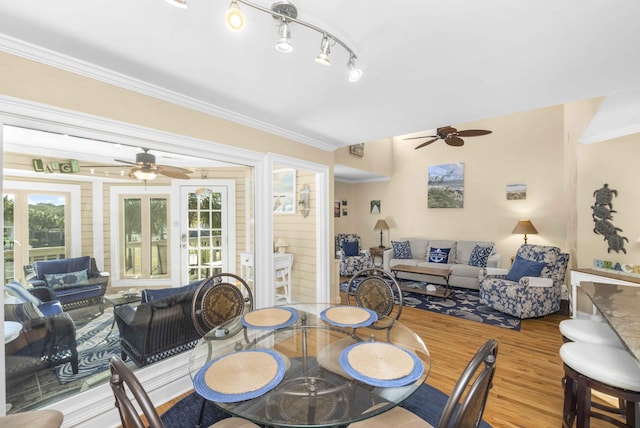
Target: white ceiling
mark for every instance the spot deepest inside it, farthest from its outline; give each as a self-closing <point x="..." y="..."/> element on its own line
<point x="426" y="63"/>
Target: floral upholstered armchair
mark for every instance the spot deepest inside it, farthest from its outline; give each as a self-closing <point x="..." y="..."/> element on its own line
<point x="352" y="257"/>
<point x="531" y="288"/>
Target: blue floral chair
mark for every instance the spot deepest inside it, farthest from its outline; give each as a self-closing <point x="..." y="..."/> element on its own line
<point x="352" y="258"/>
<point x="531" y="288"/>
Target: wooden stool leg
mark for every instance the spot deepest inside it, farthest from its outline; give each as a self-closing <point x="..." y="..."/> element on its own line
<point x="569" y="408"/>
<point x="583" y="405"/>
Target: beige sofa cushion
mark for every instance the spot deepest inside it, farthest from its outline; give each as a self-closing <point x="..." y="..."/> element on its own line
<point x="418" y="247"/>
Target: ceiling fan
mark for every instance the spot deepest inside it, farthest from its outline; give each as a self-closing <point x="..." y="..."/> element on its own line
<point x="145" y="167"/>
<point x="450" y="135"/>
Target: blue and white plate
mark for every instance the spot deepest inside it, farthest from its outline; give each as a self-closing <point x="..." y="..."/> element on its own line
<point x="205" y="391"/>
<point x="292" y="319"/>
<point x="373" y="317"/>
<point x="416" y="371"/>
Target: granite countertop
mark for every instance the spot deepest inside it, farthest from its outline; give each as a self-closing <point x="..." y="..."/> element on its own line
<point x="620" y="306"/>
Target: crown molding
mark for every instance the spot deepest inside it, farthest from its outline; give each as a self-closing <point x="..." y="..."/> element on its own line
<point x="54" y="59"/>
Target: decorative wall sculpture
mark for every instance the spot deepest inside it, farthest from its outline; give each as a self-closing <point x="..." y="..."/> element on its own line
<point x="602" y="213"/>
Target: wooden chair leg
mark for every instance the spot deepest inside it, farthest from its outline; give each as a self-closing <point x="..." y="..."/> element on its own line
<point x="583" y="404"/>
<point x="569" y="407"/>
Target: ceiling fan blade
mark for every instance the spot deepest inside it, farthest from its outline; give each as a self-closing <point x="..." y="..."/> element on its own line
<point x="428" y="142"/>
<point x="454" y="141"/>
<point x="417" y="138"/>
<point x="124" y="161"/>
<point x="473" y="132"/>
<point x="173" y="171"/>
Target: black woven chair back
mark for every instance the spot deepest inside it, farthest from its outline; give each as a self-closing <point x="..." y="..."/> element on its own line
<point x="219" y="299"/>
<point x="121" y="376"/>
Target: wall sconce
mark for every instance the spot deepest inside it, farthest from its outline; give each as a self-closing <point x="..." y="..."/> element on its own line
<point x="303" y="201"/>
<point x="525" y="226"/>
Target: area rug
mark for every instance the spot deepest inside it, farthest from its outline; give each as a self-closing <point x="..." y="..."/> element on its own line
<point x="427" y="402"/>
<point x="94" y="349"/>
<point x="461" y="303"/>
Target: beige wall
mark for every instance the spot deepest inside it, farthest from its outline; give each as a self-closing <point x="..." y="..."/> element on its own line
<point x="378" y="157"/>
<point x="539" y="148"/>
<point x="613" y="162"/>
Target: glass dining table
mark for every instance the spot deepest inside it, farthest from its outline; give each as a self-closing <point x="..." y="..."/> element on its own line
<point x="309" y="365"/>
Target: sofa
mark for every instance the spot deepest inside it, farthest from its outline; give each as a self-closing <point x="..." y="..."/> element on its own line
<point x="76" y="282"/>
<point x="159" y="327"/>
<point x="465" y="259"/>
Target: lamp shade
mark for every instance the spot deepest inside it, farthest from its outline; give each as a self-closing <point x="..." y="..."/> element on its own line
<point x="525" y="226"/>
<point x="381" y="225"/>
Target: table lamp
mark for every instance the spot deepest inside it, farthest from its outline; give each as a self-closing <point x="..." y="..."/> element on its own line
<point x="525" y="226"/>
<point x="382" y="225"/>
<point x="281" y="245"/>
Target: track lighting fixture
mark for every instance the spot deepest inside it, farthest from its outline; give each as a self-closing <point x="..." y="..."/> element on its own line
<point x="354" y="72"/>
<point x="284" y="43"/>
<point x="323" y="56"/>
<point x="286" y="13"/>
<point x="234" y="17"/>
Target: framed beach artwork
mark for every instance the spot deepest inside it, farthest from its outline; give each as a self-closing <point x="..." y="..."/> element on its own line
<point x="516" y="191"/>
<point x="445" y="186"/>
<point x="284" y="191"/>
<point x="374" y="207"/>
<point x="357" y="149"/>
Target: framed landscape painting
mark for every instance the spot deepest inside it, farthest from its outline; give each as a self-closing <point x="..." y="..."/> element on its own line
<point x="445" y="186"/>
<point x="516" y="191"/>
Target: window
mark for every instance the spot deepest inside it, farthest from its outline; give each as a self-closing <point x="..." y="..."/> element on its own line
<point x="144" y="236"/>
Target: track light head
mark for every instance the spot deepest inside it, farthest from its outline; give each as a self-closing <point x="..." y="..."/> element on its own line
<point x="354" y="72"/>
<point x="234" y="16"/>
<point x="284" y="43"/>
<point x="323" y="56"/>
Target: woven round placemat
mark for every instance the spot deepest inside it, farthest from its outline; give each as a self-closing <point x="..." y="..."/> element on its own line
<point x="347" y="315"/>
<point x="237" y="373"/>
<point x="267" y="317"/>
<point x="381" y="361"/>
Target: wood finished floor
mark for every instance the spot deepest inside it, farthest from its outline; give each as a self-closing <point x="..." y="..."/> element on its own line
<point x="527" y="391"/>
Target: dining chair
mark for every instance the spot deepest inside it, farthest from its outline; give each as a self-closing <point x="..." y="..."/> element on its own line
<point x="374" y="289"/>
<point x="218" y="299"/>
<point x="462" y="410"/>
<point x="282" y="277"/>
<point x="122" y="376"/>
<point x="34" y="418"/>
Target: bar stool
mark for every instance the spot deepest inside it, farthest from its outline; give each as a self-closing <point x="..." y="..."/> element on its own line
<point x="612" y="371"/>
<point x="582" y="330"/>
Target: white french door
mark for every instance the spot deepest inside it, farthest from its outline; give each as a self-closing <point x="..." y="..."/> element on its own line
<point x="207" y="230"/>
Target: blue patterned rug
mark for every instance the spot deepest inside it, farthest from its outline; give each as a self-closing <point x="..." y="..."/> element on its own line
<point x="461" y="303"/>
<point x="93" y="350"/>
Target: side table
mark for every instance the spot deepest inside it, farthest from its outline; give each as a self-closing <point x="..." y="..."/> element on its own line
<point x="377" y="252"/>
<point x="120" y="299"/>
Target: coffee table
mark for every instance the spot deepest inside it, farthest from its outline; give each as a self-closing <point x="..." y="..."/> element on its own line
<point x="443" y="292"/>
<point x="119" y="299"/>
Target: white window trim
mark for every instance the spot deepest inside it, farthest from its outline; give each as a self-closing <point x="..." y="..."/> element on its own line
<point x="75" y="205"/>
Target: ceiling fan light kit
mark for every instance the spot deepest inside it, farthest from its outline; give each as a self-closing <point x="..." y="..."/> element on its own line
<point x="286" y="12"/>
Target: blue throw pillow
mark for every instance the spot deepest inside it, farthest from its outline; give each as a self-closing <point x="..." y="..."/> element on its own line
<point x="439" y="255"/>
<point x="401" y="249"/>
<point x="479" y="256"/>
<point x="524" y="267"/>
<point x="350" y="249"/>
